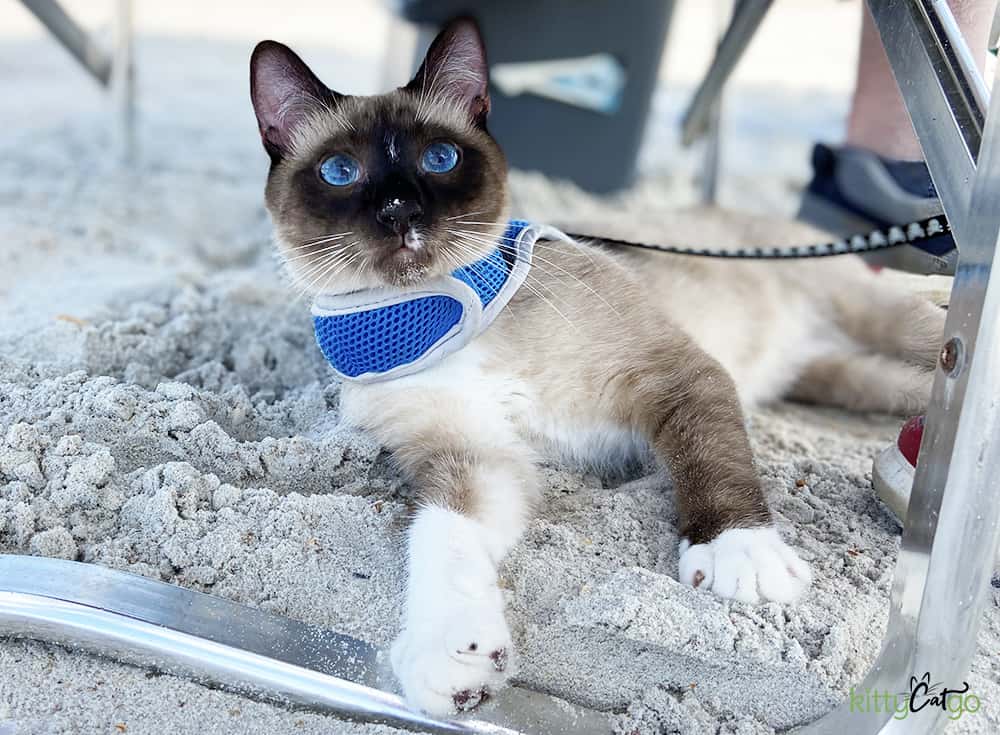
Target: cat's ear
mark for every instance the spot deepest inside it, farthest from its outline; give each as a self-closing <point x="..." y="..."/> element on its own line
<point x="284" y="92"/>
<point x="455" y="68"/>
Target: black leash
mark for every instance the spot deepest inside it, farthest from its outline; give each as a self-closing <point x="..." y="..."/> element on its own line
<point x="882" y="239"/>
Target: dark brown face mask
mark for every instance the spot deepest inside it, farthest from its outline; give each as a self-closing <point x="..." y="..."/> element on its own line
<point x="412" y="177"/>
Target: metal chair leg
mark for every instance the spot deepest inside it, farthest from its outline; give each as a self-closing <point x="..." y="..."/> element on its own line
<point x="993" y="42"/>
<point x="953" y="521"/>
<point x="747" y="16"/>
<point x="215" y="641"/>
<point x="73" y="38"/>
<point x="114" y="71"/>
<point x="122" y="84"/>
<point x="711" y="163"/>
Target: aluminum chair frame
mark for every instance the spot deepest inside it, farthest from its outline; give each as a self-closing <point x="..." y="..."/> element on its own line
<point x="114" y="70"/>
<point x="221" y="643"/>
<point x="942" y="578"/>
<point x="746" y="19"/>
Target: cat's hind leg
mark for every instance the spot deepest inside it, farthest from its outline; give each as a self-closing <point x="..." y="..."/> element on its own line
<point x="883" y="318"/>
<point x="865" y="382"/>
<point x="893" y="340"/>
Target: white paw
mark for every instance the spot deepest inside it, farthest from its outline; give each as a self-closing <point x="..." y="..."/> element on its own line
<point x="746" y="564"/>
<point x="454" y="662"/>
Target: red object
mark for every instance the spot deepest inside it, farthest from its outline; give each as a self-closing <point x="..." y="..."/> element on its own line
<point x="909" y="439"/>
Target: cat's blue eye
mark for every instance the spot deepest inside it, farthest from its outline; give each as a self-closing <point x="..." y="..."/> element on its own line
<point x="439" y="158"/>
<point x="340" y="170"/>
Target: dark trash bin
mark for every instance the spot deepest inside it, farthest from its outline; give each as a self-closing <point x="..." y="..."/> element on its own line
<point x="571" y="80"/>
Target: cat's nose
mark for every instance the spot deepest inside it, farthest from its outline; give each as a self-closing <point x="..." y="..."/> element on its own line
<point x="399" y="215"/>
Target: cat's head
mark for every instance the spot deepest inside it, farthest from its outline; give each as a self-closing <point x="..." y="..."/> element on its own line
<point x="384" y="190"/>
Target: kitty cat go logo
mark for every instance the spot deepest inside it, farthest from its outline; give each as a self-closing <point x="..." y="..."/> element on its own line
<point x="923" y="695"/>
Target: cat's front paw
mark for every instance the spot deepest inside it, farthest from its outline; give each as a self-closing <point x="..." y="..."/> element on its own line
<point x="746" y="564"/>
<point x="453" y="663"/>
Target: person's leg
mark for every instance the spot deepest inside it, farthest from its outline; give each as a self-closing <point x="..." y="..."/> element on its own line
<point x="878" y="120"/>
<point x="878" y="179"/>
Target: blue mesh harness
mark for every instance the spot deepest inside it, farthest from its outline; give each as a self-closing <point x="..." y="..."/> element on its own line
<point x="384" y="333"/>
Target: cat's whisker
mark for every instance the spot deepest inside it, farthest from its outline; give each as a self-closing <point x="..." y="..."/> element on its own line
<point x="536" y="285"/>
<point x="475" y="268"/>
<point x="303" y="287"/>
<point x="321" y="253"/>
<point x="479" y="233"/>
<point x="532" y="289"/>
<point x="299" y="282"/>
<point x="473" y="252"/>
<point x="539" y="245"/>
<point x="326" y="235"/>
<point x="320" y="264"/>
<point x="480" y="223"/>
<point x="343" y="266"/>
<point x="329" y="266"/>
<point x="321" y="244"/>
<point x="473" y="248"/>
<point x="575" y="278"/>
<point x="309" y="289"/>
<point x="322" y="238"/>
<point x="464" y="214"/>
<point x="570" y="248"/>
<point x="340" y="117"/>
<point x="311" y="248"/>
<point x="489" y="236"/>
<point x="478" y="271"/>
<point x="574" y="250"/>
<point x="500" y="242"/>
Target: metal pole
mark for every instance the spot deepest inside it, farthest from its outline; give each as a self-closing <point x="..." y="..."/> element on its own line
<point x="122" y="84"/>
<point x="993" y="41"/>
<point x="215" y="641"/>
<point x="953" y="520"/>
<point x="747" y="16"/>
<point x="85" y="628"/>
<point x="711" y="162"/>
<point x="76" y="40"/>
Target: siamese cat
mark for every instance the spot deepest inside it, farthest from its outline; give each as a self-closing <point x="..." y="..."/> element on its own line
<point x="599" y="355"/>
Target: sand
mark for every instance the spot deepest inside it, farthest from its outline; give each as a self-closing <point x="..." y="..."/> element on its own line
<point x="163" y="411"/>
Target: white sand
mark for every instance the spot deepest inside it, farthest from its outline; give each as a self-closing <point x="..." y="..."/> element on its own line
<point x="163" y="411"/>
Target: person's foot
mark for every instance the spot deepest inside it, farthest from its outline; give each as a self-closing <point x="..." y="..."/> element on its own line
<point x="893" y="469"/>
<point x="854" y="191"/>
